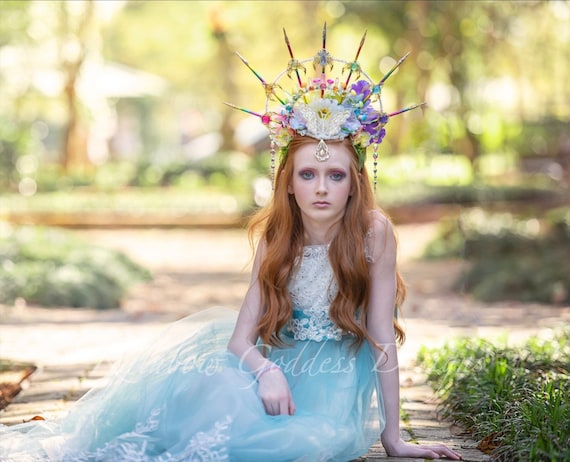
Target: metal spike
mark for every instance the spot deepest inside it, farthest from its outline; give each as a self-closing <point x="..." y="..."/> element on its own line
<point x="356" y="57"/>
<point x="394" y="67"/>
<point x="250" y="68"/>
<point x="292" y="56"/>
<point x="406" y="109"/>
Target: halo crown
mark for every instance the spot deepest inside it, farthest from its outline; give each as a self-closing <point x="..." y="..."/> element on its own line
<point x="324" y="107"/>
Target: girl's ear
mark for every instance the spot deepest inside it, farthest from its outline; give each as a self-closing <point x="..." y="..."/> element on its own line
<point x="290" y="188"/>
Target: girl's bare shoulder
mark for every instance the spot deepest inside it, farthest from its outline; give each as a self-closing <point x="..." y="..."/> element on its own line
<point x="381" y="236"/>
<point x="381" y="227"/>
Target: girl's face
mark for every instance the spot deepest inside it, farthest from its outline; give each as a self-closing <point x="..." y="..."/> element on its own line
<point x="321" y="189"/>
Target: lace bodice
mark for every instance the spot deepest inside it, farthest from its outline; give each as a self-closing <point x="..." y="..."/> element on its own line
<point x="312" y="289"/>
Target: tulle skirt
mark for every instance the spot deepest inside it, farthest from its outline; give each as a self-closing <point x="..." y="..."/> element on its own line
<point x="186" y="398"/>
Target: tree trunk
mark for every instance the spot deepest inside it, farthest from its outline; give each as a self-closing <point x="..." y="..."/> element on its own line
<point x="74" y="156"/>
<point x="225" y="60"/>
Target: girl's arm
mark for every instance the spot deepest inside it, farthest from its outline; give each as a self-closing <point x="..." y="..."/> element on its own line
<point x="381" y="329"/>
<point x="273" y="388"/>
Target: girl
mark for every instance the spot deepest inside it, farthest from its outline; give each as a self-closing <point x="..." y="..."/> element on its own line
<point x="322" y="234"/>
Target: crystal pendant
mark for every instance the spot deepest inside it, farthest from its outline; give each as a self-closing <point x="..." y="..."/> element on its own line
<point x="322" y="153"/>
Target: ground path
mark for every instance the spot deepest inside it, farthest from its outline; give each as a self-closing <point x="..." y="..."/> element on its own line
<point x="195" y="269"/>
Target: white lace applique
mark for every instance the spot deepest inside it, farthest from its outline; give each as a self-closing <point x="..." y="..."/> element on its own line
<point x="151" y="423"/>
<point x="312" y="289"/>
<point x="206" y="446"/>
<point x="209" y="446"/>
<point x="317" y="326"/>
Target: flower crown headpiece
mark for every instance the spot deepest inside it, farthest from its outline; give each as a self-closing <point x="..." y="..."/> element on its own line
<point x="324" y="108"/>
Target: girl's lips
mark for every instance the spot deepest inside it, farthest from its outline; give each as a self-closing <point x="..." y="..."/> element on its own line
<point x="321" y="204"/>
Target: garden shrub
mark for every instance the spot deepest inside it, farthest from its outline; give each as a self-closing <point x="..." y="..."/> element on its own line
<point x="512" y="257"/>
<point x="51" y="267"/>
<point x="514" y="400"/>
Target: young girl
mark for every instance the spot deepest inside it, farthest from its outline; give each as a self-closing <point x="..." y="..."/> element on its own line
<point x="323" y="239"/>
<point x="308" y="371"/>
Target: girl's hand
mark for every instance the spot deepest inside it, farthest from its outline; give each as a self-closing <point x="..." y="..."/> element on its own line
<point x="435" y="451"/>
<point x="275" y="393"/>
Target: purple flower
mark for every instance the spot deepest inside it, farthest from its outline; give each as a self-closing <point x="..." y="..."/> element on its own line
<point x="380" y="136"/>
<point x="362" y="89"/>
<point x="370" y="115"/>
<point x="352" y="124"/>
<point x="370" y="129"/>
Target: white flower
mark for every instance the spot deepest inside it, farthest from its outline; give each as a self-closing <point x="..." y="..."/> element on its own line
<point x="323" y="118"/>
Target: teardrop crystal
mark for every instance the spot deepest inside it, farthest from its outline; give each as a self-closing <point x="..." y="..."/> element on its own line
<point x="322" y="153"/>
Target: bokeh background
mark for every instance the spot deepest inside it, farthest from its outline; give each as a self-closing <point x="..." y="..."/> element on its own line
<point x="126" y="183"/>
<point x="112" y="114"/>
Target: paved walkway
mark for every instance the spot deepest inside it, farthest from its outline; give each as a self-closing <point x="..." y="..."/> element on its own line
<point x="74" y="349"/>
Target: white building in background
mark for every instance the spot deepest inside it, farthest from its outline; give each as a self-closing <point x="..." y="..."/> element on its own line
<point x="100" y="87"/>
<point x="28" y="73"/>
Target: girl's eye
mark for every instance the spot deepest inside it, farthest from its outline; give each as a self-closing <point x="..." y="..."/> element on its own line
<point x="337" y="176"/>
<point x="307" y="175"/>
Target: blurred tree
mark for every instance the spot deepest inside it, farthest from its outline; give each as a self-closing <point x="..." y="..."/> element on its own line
<point x="43" y="46"/>
<point x="444" y="48"/>
<point x="192" y="45"/>
<point x="488" y="69"/>
<point x="14" y="23"/>
<point x="76" y="28"/>
<point x="226" y="69"/>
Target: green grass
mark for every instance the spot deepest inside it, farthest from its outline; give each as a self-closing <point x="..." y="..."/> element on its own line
<point x="512" y="399"/>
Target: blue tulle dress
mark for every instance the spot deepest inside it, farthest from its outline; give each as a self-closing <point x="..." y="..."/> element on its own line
<point x="187" y="398"/>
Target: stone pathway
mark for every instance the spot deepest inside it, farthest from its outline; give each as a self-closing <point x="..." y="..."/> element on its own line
<point x="75" y="349"/>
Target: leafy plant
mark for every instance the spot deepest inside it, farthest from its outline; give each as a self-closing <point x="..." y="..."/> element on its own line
<point x="513" y="399"/>
<point x="51" y="267"/>
<point x="513" y="257"/>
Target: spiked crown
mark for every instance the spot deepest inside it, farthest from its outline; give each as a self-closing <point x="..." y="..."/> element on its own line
<point x="325" y="107"/>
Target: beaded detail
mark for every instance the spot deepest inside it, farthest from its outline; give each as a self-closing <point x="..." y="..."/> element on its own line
<point x="312" y="289"/>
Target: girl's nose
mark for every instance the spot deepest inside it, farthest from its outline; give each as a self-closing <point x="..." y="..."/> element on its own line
<point x="322" y="186"/>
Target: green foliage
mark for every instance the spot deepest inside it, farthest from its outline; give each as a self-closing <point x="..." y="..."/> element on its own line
<point x="131" y="202"/>
<point x="16" y="141"/>
<point x="471" y="194"/>
<point x="230" y="171"/>
<point x="50" y="267"/>
<point x="513" y="258"/>
<point x="541" y="137"/>
<point x="225" y="172"/>
<point x="514" y="399"/>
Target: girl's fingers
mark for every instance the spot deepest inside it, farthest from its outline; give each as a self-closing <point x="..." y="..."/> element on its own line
<point x="292" y="408"/>
<point x="439" y="451"/>
<point x="284" y="407"/>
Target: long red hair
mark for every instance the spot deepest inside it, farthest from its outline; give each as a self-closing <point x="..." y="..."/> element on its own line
<point x="280" y="227"/>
